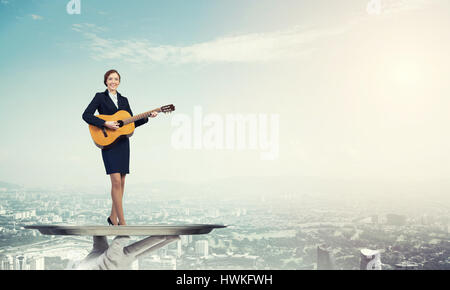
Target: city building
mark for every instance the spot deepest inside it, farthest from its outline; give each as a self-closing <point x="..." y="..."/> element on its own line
<point x="201" y="248"/>
<point x="19" y="262"/>
<point x="36" y="263"/>
<point x="179" y="251"/>
<point x="6" y="262"/>
<point x="370" y="259"/>
<point x="324" y="258"/>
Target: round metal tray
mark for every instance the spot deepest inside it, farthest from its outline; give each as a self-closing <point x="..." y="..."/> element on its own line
<point x="141" y="230"/>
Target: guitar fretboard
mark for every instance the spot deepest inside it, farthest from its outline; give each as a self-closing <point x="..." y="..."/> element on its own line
<point x="140" y="116"/>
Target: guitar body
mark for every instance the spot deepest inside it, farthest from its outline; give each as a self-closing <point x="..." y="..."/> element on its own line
<point x="105" y="137"/>
<point x="98" y="134"/>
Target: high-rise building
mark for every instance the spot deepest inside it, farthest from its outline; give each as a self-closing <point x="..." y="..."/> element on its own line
<point x="325" y="260"/>
<point x="179" y="251"/>
<point x="186" y="239"/>
<point x="6" y="262"/>
<point x="19" y="262"/>
<point x="175" y="248"/>
<point x="36" y="263"/>
<point x="370" y="260"/>
<point x="201" y="248"/>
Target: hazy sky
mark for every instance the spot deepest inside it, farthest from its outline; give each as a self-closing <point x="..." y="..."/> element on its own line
<point x="358" y="94"/>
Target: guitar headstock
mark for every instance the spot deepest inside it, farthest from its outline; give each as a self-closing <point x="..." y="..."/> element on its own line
<point x="168" y="108"/>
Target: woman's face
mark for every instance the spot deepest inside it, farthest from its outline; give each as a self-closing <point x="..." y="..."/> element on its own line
<point x="113" y="81"/>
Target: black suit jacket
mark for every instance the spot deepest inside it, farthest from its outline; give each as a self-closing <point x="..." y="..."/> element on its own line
<point x="105" y="106"/>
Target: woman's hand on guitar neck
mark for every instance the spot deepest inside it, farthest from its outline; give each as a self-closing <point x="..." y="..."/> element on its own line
<point x="112" y="125"/>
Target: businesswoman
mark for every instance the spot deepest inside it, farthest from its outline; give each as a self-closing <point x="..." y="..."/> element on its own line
<point x="116" y="158"/>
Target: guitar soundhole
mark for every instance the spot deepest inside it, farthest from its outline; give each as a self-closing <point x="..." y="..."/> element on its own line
<point x="120" y="123"/>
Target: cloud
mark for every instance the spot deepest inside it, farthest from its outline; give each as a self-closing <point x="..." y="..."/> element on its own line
<point x="252" y="47"/>
<point x="36" y="17"/>
<point x="395" y="6"/>
<point x="293" y="43"/>
<point x="80" y="27"/>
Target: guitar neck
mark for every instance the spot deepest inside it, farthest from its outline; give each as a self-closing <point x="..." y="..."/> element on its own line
<point x="140" y="116"/>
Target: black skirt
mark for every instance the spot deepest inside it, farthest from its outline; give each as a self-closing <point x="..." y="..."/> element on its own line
<point x="116" y="158"/>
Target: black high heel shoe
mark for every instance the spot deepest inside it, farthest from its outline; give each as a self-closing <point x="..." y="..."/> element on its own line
<point x="109" y="222"/>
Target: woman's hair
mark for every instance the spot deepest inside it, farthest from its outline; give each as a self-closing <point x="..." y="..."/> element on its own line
<point x="108" y="73"/>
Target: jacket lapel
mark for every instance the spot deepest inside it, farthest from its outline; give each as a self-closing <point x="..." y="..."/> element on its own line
<point x="120" y="100"/>
<point x="111" y="102"/>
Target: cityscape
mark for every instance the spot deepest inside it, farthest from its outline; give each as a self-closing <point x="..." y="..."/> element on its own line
<point x="305" y="231"/>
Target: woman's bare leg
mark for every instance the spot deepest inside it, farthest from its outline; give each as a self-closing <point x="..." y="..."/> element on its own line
<point x="113" y="215"/>
<point x="122" y="178"/>
<point x="116" y="194"/>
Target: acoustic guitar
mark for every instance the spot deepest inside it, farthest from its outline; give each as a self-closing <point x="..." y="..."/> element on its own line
<point x="105" y="137"/>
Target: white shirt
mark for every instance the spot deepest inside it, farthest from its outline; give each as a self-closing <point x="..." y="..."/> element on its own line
<point x="114" y="98"/>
